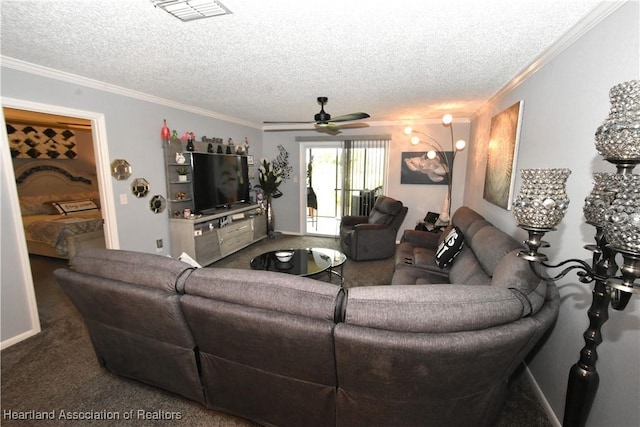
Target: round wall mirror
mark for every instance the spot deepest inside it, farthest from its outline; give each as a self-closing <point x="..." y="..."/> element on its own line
<point x="120" y="169"/>
<point x="157" y="204"/>
<point x="140" y="187"/>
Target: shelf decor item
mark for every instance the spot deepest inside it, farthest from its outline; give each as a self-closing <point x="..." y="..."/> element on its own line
<point x="165" y="133"/>
<point x="182" y="174"/>
<point x="613" y="208"/>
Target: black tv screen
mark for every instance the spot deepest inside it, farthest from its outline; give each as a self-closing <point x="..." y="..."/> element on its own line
<point x="219" y="180"/>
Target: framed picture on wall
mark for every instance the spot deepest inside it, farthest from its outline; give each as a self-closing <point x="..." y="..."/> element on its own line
<point x="502" y="152"/>
<point x="417" y="168"/>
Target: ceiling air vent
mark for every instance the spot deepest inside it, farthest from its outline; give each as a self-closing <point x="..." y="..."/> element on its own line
<point x="189" y="10"/>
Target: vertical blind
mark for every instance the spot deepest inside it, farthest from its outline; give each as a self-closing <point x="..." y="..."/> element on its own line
<point x="363" y="173"/>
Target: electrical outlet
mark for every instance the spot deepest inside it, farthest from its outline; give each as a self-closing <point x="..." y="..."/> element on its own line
<point x="159" y="245"/>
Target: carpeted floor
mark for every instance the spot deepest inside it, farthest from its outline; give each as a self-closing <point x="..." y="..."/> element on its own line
<point x="56" y="374"/>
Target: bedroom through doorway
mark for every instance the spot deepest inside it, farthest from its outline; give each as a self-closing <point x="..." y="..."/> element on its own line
<point x="54" y="159"/>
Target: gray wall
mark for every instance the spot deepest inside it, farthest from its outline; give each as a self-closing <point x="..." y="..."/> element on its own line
<point x="564" y="102"/>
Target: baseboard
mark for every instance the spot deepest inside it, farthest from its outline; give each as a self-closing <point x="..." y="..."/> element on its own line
<point x="16" y="339"/>
<point x="542" y="398"/>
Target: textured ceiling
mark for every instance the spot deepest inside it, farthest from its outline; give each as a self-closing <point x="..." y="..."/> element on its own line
<point x="269" y="60"/>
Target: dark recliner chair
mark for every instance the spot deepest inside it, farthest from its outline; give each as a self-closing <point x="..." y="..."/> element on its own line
<point x="374" y="236"/>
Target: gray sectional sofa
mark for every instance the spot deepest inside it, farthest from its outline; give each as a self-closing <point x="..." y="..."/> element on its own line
<point x="283" y="350"/>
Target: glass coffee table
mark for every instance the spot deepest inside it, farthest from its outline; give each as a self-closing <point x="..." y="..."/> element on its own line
<point x="304" y="262"/>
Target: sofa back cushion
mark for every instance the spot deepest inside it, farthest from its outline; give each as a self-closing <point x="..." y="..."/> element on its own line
<point x="266" y="290"/>
<point x="491" y="245"/>
<point x="515" y="274"/>
<point x="431" y="308"/>
<point x="139" y="268"/>
<point x="384" y="210"/>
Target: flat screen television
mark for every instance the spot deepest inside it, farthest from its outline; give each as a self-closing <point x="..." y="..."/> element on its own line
<point x="219" y="181"/>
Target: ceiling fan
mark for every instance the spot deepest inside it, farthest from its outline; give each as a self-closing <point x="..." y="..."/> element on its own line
<point x="324" y="120"/>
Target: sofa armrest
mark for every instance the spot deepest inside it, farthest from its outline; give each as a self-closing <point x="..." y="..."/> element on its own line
<point x="424" y="239"/>
<point x="351" y="220"/>
<point x="368" y="227"/>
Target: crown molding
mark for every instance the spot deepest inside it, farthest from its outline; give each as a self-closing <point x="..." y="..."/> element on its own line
<point x="51" y="73"/>
<point x="597" y="15"/>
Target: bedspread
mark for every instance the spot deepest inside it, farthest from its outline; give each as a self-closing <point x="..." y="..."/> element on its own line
<point x="54" y="229"/>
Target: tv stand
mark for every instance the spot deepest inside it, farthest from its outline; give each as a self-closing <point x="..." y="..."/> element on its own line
<point x="205" y="240"/>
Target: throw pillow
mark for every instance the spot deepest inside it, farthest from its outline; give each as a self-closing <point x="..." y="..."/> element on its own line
<point x="75" y="206"/>
<point x="449" y="248"/>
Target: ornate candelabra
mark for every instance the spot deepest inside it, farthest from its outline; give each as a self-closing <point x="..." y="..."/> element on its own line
<point x="613" y="208"/>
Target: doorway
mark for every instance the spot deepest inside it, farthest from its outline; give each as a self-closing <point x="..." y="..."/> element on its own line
<point x="324" y="201"/>
<point x="343" y="178"/>
<point x="98" y="131"/>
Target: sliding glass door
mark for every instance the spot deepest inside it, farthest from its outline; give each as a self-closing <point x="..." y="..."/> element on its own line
<point x="343" y="178"/>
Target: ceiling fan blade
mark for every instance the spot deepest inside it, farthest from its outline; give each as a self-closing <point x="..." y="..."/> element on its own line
<point x="286" y="123"/>
<point x="349" y="117"/>
<point x="328" y="128"/>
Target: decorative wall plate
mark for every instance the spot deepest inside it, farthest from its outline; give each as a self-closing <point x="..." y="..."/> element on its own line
<point x="157" y="204"/>
<point x="140" y="187"/>
<point x="120" y="169"/>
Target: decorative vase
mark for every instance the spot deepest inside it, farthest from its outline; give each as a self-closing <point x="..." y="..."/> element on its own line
<point x="542" y="201"/>
<point x="618" y="138"/>
<point x="271" y="220"/>
<point x="446" y="208"/>
<point x="165" y="133"/>
<point x="622" y="218"/>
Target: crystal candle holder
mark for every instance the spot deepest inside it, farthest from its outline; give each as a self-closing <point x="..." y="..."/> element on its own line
<point x="598" y="201"/>
<point x="542" y="201"/>
<point x="622" y="218"/>
<point x="618" y="138"/>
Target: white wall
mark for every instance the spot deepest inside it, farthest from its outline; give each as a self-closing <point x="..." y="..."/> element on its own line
<point x="418" y="198"/>
<point x="564" y="103"/>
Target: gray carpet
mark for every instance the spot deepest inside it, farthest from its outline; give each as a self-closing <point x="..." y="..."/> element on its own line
<point x="56" y="373"/>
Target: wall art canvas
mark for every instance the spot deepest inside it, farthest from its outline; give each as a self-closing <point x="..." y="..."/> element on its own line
<point x="416" y="168"/>
<point x="41" y="142"/>
<point x="502" y="155"/>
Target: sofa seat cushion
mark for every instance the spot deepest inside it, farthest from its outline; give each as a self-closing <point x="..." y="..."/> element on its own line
<point x="417" y="256"/>
<point x="409" y="275"/>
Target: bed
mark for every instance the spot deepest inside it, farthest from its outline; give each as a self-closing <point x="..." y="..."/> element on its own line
<point x="60" y="210"/>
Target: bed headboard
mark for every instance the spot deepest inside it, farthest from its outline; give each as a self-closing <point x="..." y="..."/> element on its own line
<point x="44" y="182"/>
<point x="49" y="178"/>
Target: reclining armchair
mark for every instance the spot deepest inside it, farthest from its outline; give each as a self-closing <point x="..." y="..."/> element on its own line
<point x="374" y="236"/>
